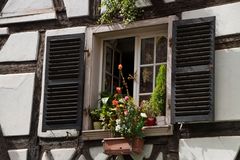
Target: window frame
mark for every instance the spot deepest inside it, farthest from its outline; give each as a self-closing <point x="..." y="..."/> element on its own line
<point x="95" y="37"/>
<point x="139" y="65"/>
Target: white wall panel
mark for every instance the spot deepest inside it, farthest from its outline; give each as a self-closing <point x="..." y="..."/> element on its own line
<point x="227" y="17"/>
<point x="227" y="84"/>
<point x="16" y="98"/>
<point x="210" y="148"/>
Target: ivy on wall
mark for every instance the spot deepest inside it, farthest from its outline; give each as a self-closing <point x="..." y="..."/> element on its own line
<point x="124" y="10"/>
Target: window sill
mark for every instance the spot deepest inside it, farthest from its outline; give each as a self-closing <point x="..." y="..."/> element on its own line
<point x="148" y="131"/>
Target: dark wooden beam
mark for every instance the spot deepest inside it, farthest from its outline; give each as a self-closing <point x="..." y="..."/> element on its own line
<point x="17" y="67"/>
<point x="159" y="8"/>
<point x="2" y="4"/>
<point x="238" y="155"/>
<point x="61" y="12"/>
<point x="227" y="41"/>
<point x="213" y="129"/>
<point x="3" y="149"/>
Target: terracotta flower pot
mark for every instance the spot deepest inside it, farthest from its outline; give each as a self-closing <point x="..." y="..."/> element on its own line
<point x="122" y="146"/>
<point x="137" y="145"/>
<point x="117" y="146"/>
<point x="151" y="121"/>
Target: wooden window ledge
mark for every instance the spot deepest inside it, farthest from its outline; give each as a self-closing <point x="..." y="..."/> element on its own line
<point x="147" y="130"/>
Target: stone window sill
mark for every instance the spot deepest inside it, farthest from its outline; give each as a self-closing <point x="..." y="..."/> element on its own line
<point x="148" y="131"/>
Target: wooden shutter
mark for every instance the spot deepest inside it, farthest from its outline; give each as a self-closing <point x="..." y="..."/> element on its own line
<point x="193" y="70"/>
<point x="64" y="77"/>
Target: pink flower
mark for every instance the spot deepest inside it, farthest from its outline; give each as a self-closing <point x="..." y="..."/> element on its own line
<point x="126" y="98"/>
<point x="119" y="90"/>
<point x="125" y="112"/>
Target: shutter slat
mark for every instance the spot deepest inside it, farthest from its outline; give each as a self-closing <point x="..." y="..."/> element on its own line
<point x="192" y="108"/>
<point x="193" y="37"/>
<point x="193" y="70"/>
<point x="192" y="113"/>
<point x="61" y="52"/>
<point x="64" y="82"/>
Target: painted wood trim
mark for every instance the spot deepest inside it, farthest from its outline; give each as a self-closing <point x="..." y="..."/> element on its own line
<point x="169" y="69"/>
<point x="137" y="24"/>
<point x="148" y="131"/>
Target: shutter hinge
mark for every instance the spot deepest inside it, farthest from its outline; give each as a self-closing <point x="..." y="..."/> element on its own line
<point x="87" y="51"/>
<point x="181" y="126"/>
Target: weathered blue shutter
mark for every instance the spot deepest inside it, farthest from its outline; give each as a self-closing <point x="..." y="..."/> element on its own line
<point x="64" y="81"/>
<point x="193" y="70"/>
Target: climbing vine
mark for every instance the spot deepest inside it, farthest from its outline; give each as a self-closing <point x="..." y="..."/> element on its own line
<point x="125" y="10"/>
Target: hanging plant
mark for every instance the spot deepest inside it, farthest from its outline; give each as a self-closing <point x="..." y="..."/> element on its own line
<point x="124" y="10"/>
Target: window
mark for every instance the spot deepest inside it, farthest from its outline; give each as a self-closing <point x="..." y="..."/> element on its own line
<point x="153" y="53"/>
<point x="140" y="64"/>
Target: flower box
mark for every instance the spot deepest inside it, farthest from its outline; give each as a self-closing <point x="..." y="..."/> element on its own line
<point x="122" y="146"/>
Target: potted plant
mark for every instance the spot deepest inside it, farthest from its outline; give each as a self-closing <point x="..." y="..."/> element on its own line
<point x="95" y="116"/>
<point x="150" y="112"/>
<point x="158" y="97"/>
<point x="126" y="124"/>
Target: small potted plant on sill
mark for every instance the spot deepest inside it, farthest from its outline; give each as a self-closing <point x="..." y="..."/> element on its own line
<point x="150" y="112"/>
<point x="158" y="97"/>
<point x="126" y="124"/>
<point x="95" y="116"/>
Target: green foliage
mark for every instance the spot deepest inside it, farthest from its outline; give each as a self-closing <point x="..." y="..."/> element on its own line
<point x="124" y="10"/>
<point x="148" y="109"/>
<point x="158" y="97"/>
<point x="95" y="114"/>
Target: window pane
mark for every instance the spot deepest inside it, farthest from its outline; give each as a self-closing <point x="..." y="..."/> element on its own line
<point x="108" y="83"/>
<point x="161" y="49"/>
<point x="109" y="55"/>
<point x="147" y="49"/>
<point x="117" y="61"/>
<point x="157" y="70"/>
<point x="146" y="79"/>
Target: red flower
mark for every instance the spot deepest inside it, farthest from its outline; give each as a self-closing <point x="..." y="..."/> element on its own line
<point x="119" y="90"/>
<point x="120" y="66"/>
<point x="115" y="102"/>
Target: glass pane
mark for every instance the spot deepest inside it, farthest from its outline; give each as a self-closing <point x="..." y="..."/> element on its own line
<point x="108" y="83"/>
<point x="147" y="49"/>
<point x="109" y="54"/>
<point x="161" y="49"/>
<point x="116" y="83"/>
<point x="145" y="97"/>
<point x="157" y="70"/>
<point x="117" y="61"/>
<point x="146" y="79"/>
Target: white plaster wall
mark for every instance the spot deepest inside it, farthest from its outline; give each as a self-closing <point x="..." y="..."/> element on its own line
<point x="76" y="8"/>
<point x="19" y="154"/>
<point x="20" y="47"/>
<point x="56" y="133"/>
<point x="27" y="10"/>
<point x="210" y="148"/>
<point x="227" y="17"/>
<point x="4" y="31"/>
<point x="16" y="95"/>
<point x="227" y="84"/>
<point x="60" y="154"/>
